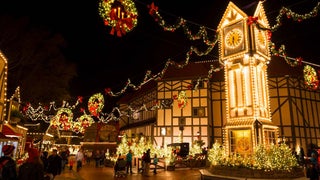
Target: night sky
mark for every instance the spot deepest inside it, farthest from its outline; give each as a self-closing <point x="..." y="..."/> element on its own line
<point x="105" y="60"/>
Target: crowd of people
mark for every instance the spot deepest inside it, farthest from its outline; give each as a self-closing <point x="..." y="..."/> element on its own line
<point x="145" y="163"/>
<point x="310" y="161"/>
<point x="38" y="165"/>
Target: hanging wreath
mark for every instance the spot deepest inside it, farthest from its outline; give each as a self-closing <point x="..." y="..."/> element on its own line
<point x="310" y="77"/>
<point x="77" y="127"/>
<point x="86" y="121"/>
<point x="63" y="119"/>
<point x="122" y="18"/>
<point x="182" y="99"/>
<point x="95" y="104"/>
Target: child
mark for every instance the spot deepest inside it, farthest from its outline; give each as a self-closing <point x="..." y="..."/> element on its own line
<point x="142" y="163"/>
<point x="71" y="162"/>
<point x="155" y="162"/>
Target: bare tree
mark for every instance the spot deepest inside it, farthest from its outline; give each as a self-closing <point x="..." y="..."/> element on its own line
<point x="36" y="61"/>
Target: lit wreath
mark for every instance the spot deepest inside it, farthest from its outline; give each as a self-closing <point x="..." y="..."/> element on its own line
<point x="120" y="25"/>
<point x="310" y="77"/>
<point x="95" y="104"/>
<point x="77" y="127"/>
<point x="86" y="120"/>
<point x="182" y="99"/>
<point x="63" y="119"/>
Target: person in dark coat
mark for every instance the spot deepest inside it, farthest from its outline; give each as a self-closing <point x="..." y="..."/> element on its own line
<point x="44" y="158"/>
<point x="301" y="157"/>
<point x="9" y="171"/>
<point x="33" y="168"/>
<point x="147" y="161"/>
<point x="312" y="172"/>
<point x="54" y="164"/>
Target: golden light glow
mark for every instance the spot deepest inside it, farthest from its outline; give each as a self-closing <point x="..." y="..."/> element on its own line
<point x="245" y="71"/>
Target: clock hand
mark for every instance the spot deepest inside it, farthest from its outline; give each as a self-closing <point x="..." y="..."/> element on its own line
<point x="233" y="40"/>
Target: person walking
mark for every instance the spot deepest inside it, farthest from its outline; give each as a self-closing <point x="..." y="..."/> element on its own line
<point x="97" y="157"/>
<point x="147" y="161"/>
<point x="129" y="161"/>
<point x="44" y="159"/>
<point x="88" y="157"/>
<point x="54" y="163"/>
<point x="64" y="155"/>
<point x="142" y="163"/>
<point x="312" y="172"/>
<point x="301" y="157"/>
<point x="155" y="163"/>
<point x="79" y="159"/>
<point x="8" y="165"/>
<point x="33" y="168"/>
<point x="102" y="158"/>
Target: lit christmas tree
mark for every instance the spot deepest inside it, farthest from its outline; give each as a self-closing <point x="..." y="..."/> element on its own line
<point x="123" y="148"/>
<point x="216" y="155"/>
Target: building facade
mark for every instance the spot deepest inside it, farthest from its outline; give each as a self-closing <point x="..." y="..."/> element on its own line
<point x="251" y="102"/>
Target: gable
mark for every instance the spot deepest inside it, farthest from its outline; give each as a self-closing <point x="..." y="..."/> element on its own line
<point x="231" y="15"/>
<point x="261" y="14"/>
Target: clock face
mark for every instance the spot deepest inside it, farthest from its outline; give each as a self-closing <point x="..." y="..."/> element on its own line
<point x="234" y="38"/>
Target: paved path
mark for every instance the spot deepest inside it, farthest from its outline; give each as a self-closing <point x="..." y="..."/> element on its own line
<point x="105" y="173"/>
<point x="92" y="173"/>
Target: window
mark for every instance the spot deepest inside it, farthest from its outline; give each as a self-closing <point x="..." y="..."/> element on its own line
<point x="270" y="136"/>
<point x="198" y="112"/>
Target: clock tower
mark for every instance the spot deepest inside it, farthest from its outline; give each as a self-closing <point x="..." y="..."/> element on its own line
<point x="244" y="53"/>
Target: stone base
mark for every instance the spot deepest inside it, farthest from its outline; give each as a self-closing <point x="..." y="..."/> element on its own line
<point x="254" y="173"/>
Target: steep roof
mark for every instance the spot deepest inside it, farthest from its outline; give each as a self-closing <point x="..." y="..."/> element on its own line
<point x="193" y="70"/>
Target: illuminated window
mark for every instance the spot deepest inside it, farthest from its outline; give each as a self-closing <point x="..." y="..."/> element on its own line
<point x="163" y="131"/>
<point x="240" y="141"/>
<point x="198" y="112"/>
<point x="270" y="137"/>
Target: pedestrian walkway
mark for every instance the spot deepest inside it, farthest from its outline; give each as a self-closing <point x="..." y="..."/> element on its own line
<point x="93" y="173"/>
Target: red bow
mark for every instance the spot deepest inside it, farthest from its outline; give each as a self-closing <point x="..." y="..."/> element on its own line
<point x="269" y="35"/>
<point x="120" y="26"/>
<point x="252" y="20"/>
<point x="299" y="59"/>
<point x="80" y="98"/>
<point x="107" y="90"/>
<point x="152" y="8"/>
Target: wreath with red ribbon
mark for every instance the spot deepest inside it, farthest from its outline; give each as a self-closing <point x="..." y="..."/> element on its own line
<point x="77" y="128"/>
<point x="120" y="23"/>
<point x="63" y="119"/>
<point x="86" y="121"/>
<point x="310" y="77"/>
<point x="95" y="104"/>
<point x="182" y="99"/>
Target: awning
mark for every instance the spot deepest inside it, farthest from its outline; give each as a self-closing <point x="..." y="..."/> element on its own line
<point x="9" y="131"/>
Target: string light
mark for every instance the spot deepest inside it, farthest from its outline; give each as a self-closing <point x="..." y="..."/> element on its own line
<point x="41" y="112"/>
